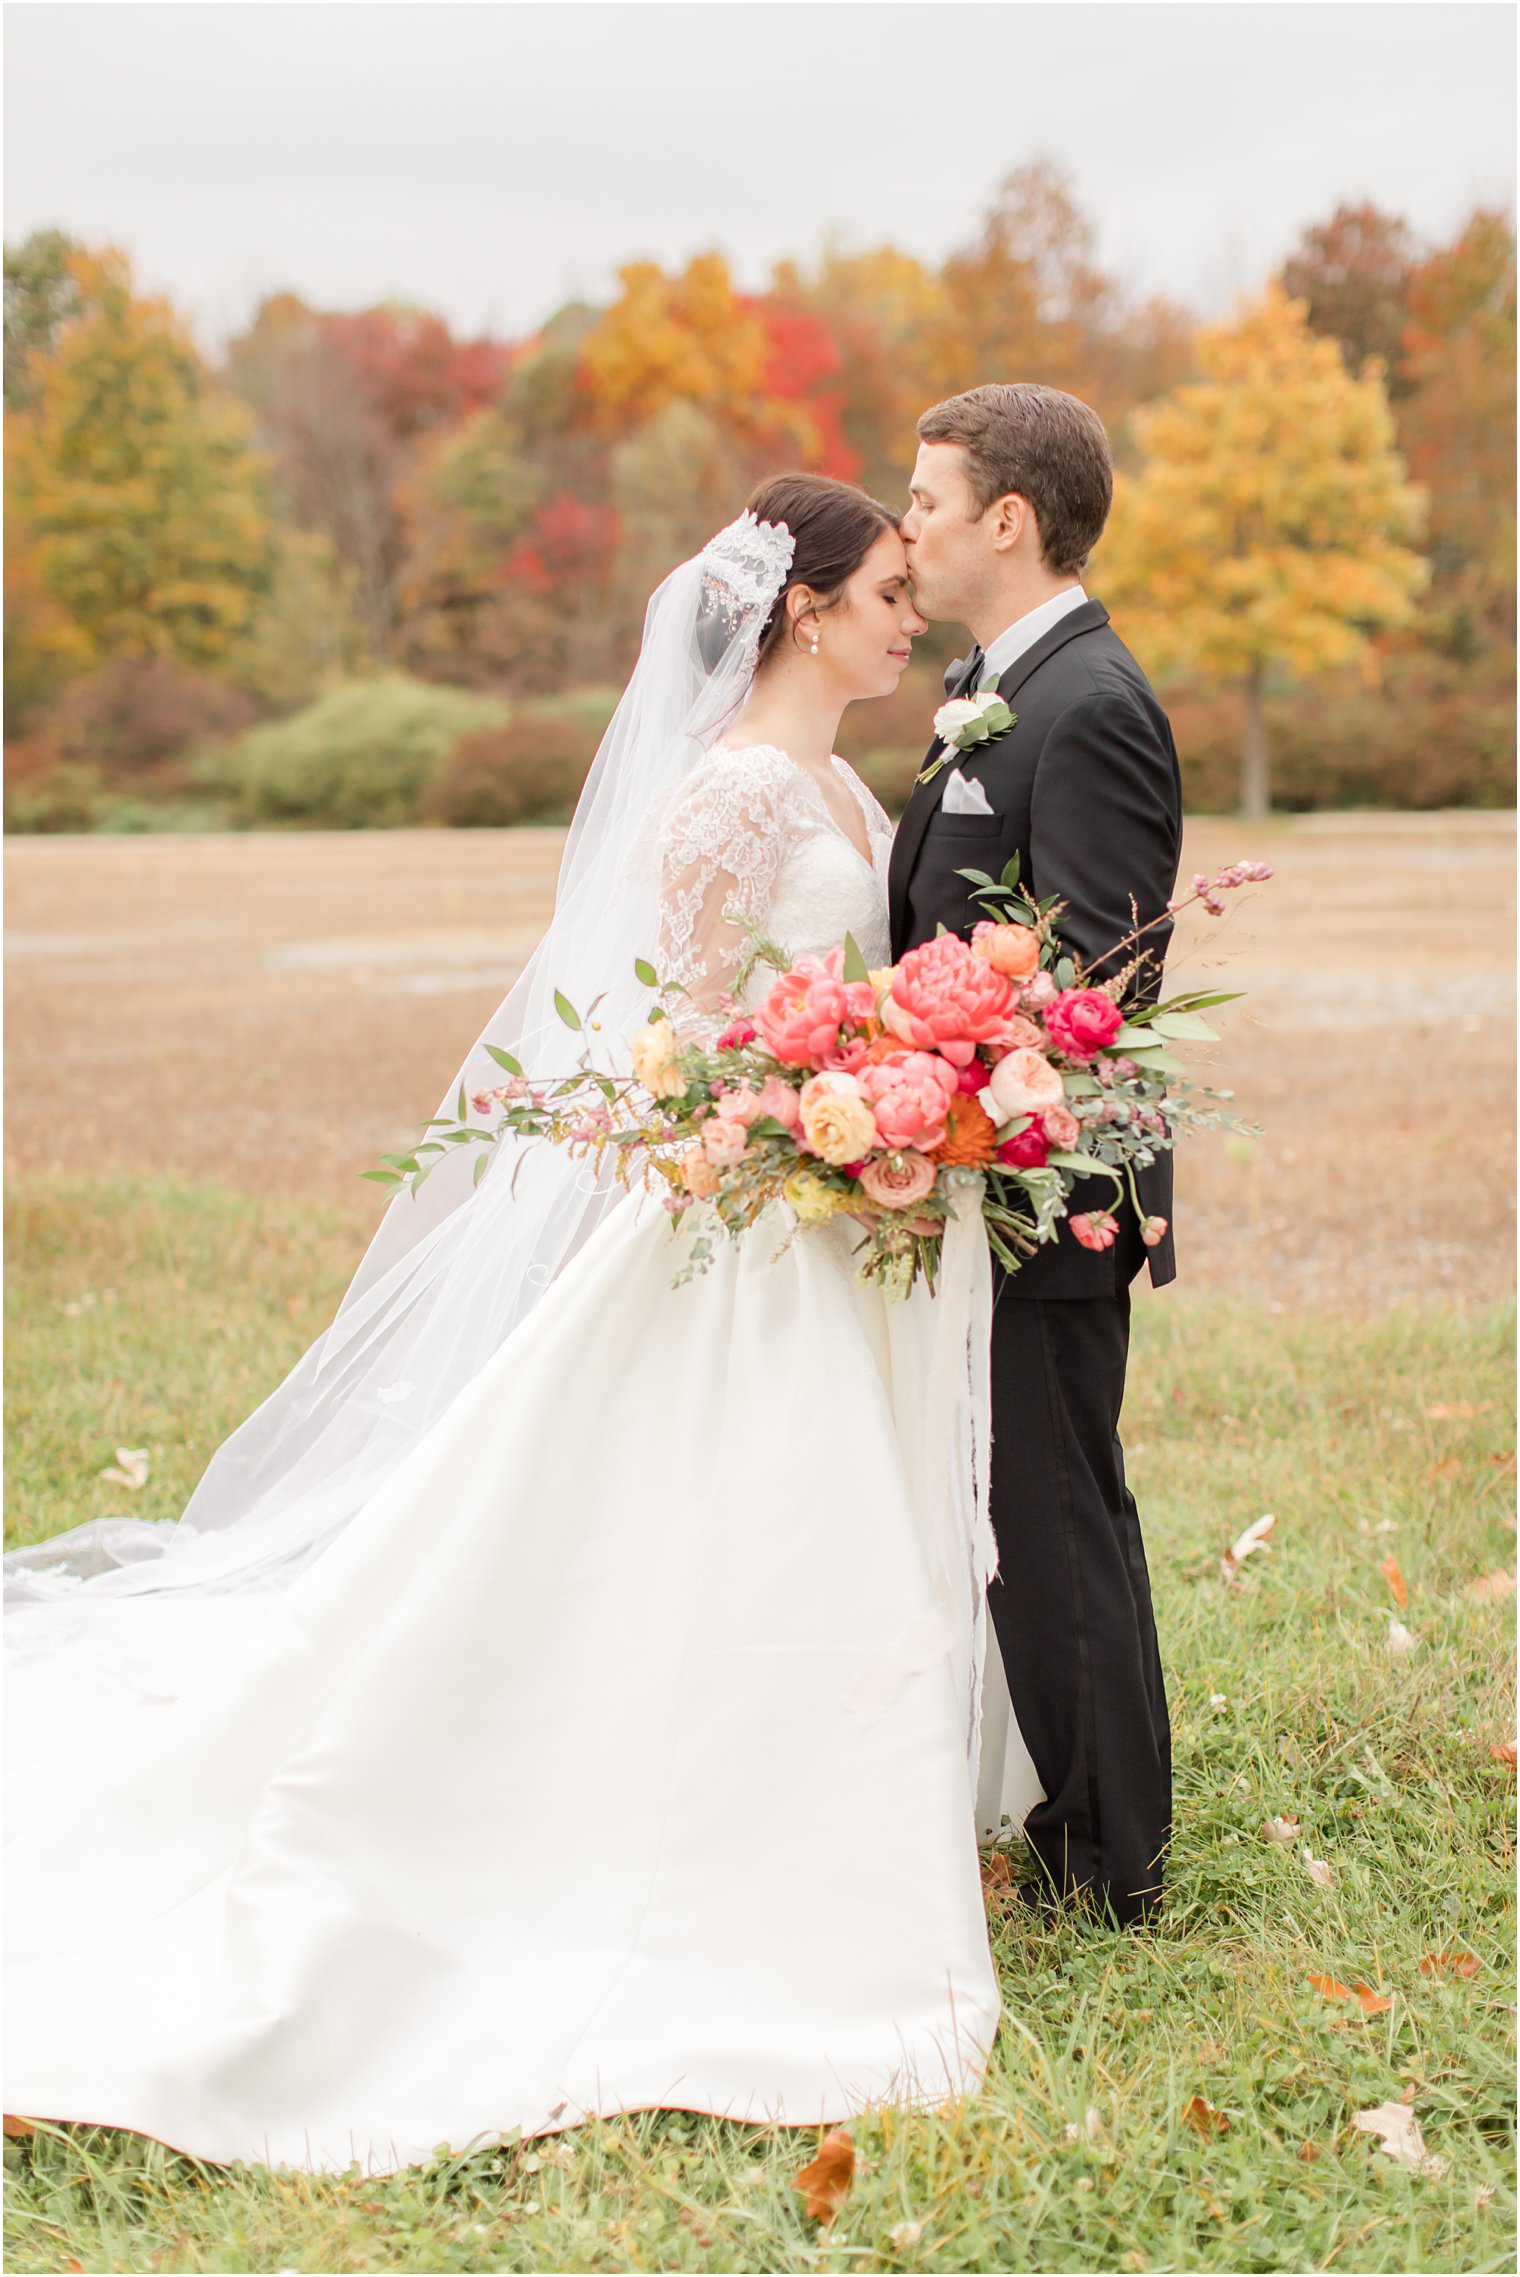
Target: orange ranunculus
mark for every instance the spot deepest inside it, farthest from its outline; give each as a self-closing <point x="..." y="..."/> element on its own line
<point x="970" y="1134"/>
<point x="887" y="1046"/>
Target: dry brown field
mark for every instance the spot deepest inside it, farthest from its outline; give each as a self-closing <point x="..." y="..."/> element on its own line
<point x="272" y="1011"/>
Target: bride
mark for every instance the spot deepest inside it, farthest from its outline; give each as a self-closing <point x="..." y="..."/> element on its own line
<point x="568" y="1692"/>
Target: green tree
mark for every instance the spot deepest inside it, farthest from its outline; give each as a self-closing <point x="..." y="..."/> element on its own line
<point x="141" y="502"/>
<point x="1272" y="522"/>
<point x="41" y="293"/>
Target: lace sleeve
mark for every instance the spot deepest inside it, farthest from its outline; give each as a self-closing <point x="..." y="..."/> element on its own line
<point x="720" y="849"/>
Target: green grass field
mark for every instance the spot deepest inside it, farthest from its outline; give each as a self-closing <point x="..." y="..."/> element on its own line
<point x="145" y="1315"/>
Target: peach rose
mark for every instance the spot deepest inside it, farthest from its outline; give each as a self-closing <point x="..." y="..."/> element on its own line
<point x="898" y="1181"/>
<point x="697" y="1174"/>
<point x="1013" y="950"/>
<point x="1019" y="1035"/>
<point x="837" y="1121"/>
<point x="1061" y="1128"/>
<point x="655" y="1054"/>
<point x="1024" y="1083"/>
<point x="740" y="1105"/>
<point x="724" y="1141"/>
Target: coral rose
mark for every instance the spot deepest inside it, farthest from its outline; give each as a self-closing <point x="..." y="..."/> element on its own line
<point x="1100" y="1231"/>
<point x="805" y="1010"/>
<point x="655" y="1054"/>
<point x="1024" y="1083"/>
<point x="1081" y="1022"/>
<point x="697" y="1174"/>
<point x="1061" y="1128"/>
<point x="1010" y="949"/>
<point x="970" y="1135"/>
<point x="1028" y="1149"/>
<point x="945" y="999"/>
<point x="910" y="1092"/>
<point x="837" y="1121"/>
<point x="898" y="1181"/>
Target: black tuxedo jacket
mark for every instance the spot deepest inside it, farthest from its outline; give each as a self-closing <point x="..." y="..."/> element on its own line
<point x="1085" y="789"/>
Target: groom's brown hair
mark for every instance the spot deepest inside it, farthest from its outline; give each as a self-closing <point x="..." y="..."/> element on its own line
<point x="1048" y="446"/>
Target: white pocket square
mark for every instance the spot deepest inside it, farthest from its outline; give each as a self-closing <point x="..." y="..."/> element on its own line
<point x="963" y="796"/>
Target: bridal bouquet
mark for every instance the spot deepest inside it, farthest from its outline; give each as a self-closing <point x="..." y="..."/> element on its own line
<point x="872" y="1094"/>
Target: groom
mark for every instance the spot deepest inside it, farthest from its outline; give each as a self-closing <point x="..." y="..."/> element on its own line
<point x="1010" y="492"/>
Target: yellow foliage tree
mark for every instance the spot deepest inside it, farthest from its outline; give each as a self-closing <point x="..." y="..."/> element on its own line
<point x="1272" y="523"/>
<point x="665" y="340"/>
<point x="140" y="503"/>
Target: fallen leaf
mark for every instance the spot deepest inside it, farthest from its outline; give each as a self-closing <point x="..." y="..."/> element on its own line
<point x="16" y="2128"/>
<point x="1504" y="1462"/>
<point x="1456" y="1410"/>
<point x="1451" y="1961"/>
<point x="904" y="2234"/>
<point x="1373" y="2003"/>
<point x="1400" y="1639"/>
<point x="1283" y="1830"/>
<point x="1389" y="1569"/>
<point x="1317" y="1870"/>
<point x="129" y="1469"/>
<point x="1490" y="1586"/>
<point x="1503" y="1751"/>
<point x="1255" y="1537"/>
<point x="1309" y="2153"/>
<point x="825" y="2182"/>
<point x="1331" y="1989"/>
<point x="1399" y="2135"/>
<point x="1449" y="1467"/>
<point x="1202" y="2116"/>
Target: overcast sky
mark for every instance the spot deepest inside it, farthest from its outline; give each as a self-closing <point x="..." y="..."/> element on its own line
<point x="492" y="159"/>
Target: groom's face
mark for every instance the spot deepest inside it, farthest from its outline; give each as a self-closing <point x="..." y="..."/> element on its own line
<point x="946" y="539"/>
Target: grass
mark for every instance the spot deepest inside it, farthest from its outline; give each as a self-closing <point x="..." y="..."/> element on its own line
<point x="149" y="1314"/>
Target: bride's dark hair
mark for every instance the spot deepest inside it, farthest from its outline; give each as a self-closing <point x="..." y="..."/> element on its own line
<point x="834" y="526"/>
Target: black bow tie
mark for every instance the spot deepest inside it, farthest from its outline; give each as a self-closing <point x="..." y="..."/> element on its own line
<point x="964" y="668"/>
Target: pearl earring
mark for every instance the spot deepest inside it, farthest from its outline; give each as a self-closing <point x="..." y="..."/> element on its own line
<point x="815" y="644"/>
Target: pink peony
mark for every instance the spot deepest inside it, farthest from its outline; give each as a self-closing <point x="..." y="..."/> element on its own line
<point x="947" y="999"/>
<point x="1010" y="949"/>
<point x="898" y="1181"/>
<point x="1152" y="1230"/>
<point x="778" y="1100"/>
<point x="1026" y="1150"/>
<point x="1061" y="1128"/>
<point x="1100" y="1231"/>
<point x="910" y="1094"/>
<point x="1025" y="1083"/>
<point x="1081" y="1022"/>
<point x="805" y="1010"/>
<point x="735" y="1037"/>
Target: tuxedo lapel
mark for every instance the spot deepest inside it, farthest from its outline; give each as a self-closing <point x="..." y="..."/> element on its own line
<point x="922" y="801"/>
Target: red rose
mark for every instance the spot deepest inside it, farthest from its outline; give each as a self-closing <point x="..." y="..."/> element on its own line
<point x="1027" y="1150"/>
<point x="1081" y="1022"/>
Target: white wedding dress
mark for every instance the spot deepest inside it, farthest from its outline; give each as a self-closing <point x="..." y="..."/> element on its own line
<point x="616" y="1754"/>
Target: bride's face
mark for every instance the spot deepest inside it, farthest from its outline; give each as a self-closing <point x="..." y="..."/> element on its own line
<point x="865" y="640"/>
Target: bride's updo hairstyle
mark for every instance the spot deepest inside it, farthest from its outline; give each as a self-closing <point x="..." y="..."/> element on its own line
<point x="834" y="526"/>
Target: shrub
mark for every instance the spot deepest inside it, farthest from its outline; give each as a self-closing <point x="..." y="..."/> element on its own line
<point x="356" y="759"/>
<point x="137" y="712"/>
<point x="529" y="770"/>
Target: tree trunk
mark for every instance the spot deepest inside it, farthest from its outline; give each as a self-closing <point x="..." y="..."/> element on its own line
<point x="1255" y="792"/>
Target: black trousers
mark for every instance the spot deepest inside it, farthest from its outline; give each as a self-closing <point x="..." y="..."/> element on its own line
<point x="1071" y="1600"/>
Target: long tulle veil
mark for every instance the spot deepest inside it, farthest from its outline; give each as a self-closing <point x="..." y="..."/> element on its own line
<point x="453" y="1268"/>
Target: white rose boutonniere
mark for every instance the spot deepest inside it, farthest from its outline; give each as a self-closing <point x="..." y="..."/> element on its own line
<point x="965" y="722"/>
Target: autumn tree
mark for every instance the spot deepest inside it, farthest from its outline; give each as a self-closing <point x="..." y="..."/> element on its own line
<point x="1457" y="425"/>
<point x="141" y="506"/>
<point x="1353" y="275"/>
<point x="41" y="292"/>
<point x="1273" y="521"/>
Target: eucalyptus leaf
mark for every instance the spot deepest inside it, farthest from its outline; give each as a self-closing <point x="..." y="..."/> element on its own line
<point x="502" y="1059"/>
<point x="1184" y="1027"/>
<point x="978" y="878"/>
<point x="1085" y="1165"/>
<point x="1065" y="973"/>
<point x="644" y="971"/>
<point x="383" y="1177"/>
<point x="480" y="1169"/>
<point x="566" y="1010"/>
<point x="855" y="966"/>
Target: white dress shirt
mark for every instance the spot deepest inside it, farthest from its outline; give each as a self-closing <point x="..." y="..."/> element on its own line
<point x="1024" y="632"/>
